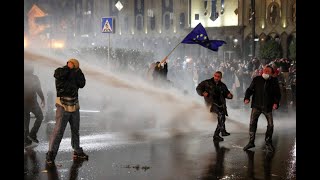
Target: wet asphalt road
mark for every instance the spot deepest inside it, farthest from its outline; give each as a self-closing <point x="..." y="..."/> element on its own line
<point x="191" y="155"/>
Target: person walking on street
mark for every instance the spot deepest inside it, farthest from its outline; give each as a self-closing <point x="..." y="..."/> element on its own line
<point x="32" y="88"/>
<point x="215" y="92"/>
<point x="68" y="80"/>
<point x="265" y="92"/>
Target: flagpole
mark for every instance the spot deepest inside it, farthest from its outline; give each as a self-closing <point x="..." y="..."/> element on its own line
<point x="174" y="49"/>
<point x="170" y="53"/>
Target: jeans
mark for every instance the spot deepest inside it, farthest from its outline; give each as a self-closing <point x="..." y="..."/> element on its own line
<point x="62" y="119"/>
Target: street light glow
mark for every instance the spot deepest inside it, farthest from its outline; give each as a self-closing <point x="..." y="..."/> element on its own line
<point x="25" y="42"/>
<point x="284" y="25"/>
<point x="58" y="45"/>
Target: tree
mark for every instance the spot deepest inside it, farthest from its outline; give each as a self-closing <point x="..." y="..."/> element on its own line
<point x="270" y="50"/>
<point x="292" y="50"/>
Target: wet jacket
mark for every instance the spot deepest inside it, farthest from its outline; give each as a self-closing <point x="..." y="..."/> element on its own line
<point x="68" y="81"/>
<point x="216" y="94"/>
<point x="32" y="87"/>
<point x="264" y="93"/>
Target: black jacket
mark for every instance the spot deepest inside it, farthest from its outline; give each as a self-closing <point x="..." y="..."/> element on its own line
<point x="32" y="87"/>
<point x="216" y="93"/>
<point x="68" y="81"/>
<point x="264" y="93"/>
<point x="160" y="73"/>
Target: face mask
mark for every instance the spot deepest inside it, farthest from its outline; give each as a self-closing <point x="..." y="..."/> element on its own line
<point x="265" y="76"/>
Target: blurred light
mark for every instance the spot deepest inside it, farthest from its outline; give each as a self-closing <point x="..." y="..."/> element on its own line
<point x="160" y="31"/>
<point x="25" y="42"/>
<point x="132" y="32"/>
<point x="171" y="16"/>
<point x="235" y="40"/>
<point x="92" y="44"/>
<point x="146" y="31"/>
<point x="188" y="60"/>
<point x="262" y="26"/>
<point x="58" y="44"/>
<point x="256" y="39"/>
<point x="74" y="34"/>
<point x="284" y="25"/>
<point x="150" y="13"/>
<point x="85" y="35"/>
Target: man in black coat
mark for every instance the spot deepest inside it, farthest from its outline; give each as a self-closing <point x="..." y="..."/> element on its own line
<point x="69" y="79"/>
<point x="160" y="72"/>
<point x="32" y="89"/>
<point x="215" y="92"/>
<point x="265" y="92"/>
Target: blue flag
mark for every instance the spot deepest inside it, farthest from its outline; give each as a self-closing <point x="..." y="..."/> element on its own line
<point x="199" y="36"/>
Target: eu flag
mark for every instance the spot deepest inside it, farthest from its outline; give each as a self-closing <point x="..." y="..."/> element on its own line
<point x="199" y="36"/>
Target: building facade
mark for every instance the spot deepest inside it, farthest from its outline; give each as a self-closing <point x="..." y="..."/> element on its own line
<point x="151" y="24"/>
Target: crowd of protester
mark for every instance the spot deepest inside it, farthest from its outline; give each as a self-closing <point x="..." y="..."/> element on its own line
<point x="186" y="72"/>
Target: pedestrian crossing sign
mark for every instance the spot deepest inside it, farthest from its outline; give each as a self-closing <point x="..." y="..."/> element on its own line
<point x="107" y="25"/>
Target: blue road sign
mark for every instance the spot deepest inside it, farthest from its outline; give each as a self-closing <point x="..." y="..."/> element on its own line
<point x="107" y="25"/>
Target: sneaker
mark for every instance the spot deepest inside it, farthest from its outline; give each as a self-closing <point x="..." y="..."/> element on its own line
<point x="225" y="133"/>
<point x="33" y="139"/>
<point x="217" y="138"/>
<point x="29" y="145"/>
<point x="49" y="158"/>
<point x="27" y="142"/>
<point x="81" y="155"/>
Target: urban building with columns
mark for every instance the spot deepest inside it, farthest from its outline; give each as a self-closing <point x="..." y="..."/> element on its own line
<point x="154" y="24"/>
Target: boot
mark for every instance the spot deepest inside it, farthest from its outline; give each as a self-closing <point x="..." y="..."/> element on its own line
<point x="251" y="141"/>
<point x="80" y="155"/>
<point x="268" y="139"/>
<point x="222" y="119"/>
<point x="225" y="133"/>
<point x="216" y="136"/>
<point x="223" y="129"/>
<point x="50" y="158"/>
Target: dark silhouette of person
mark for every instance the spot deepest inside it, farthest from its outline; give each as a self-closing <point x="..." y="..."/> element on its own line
<point x="74" y="170"/>
<point x="32" y="89"/>
<point x="33" y="172"/>
<point x="250" y="172"/>
<point x="216" y="169"/>
<point x="52" y="172"/>
<point x="267" y="161"/>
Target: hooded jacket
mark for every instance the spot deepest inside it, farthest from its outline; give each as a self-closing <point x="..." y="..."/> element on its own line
<point x="68" y="81"/>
